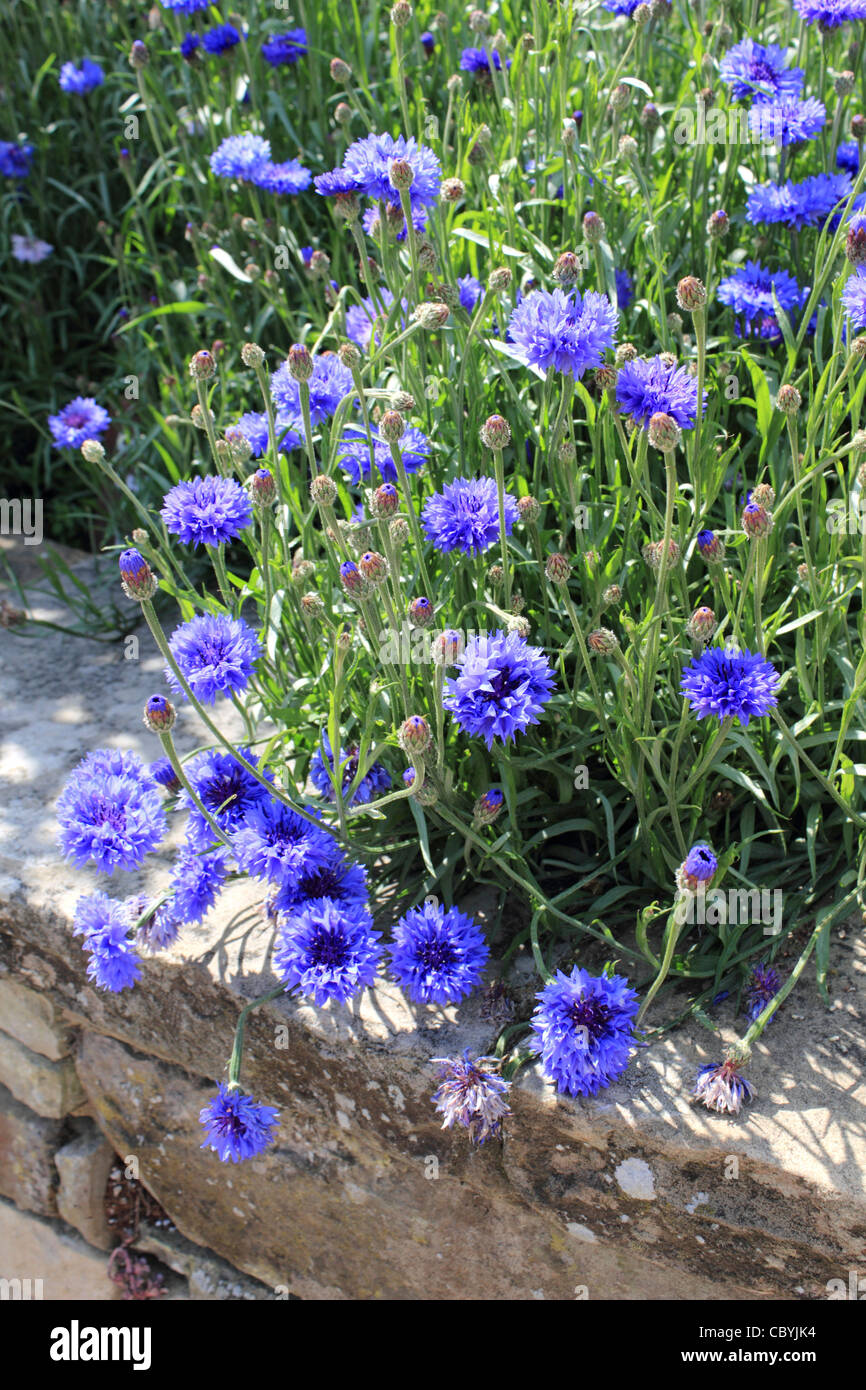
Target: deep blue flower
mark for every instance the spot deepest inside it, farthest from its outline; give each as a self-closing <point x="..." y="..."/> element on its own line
<point x="285" y="48"/>
<point x="83" y="79"/>
<point x="162" y="772"/>
<point x="753" y="69"/>
<point x="254" y="428"/>
<point x="236" y="1126"/>
<point x="364" y="321"/>
<point x="470" y="291"/>
<point x="481" y="60"/>
<point x="831" y="14"/>
<point x="110" y="812"/>
<point x="81" y="419"/>
<point x="188" y="45"/>
<point x="764" y="983"/>
<point x="624" y="288"/>
<point x="105" y="925"/>
<point x="585" y="1030"/>
<point x="220" y="38"/>
<point x="207" y="511"/>
<point x="646" y="386"/>
<point x="227" y="791"/>
<point x="749" y="291"/>
<point x="241" y="156"/>
<point x="336" y="877"/>
<point x="787" y="120"/>
<point x="427" y="42"/>
<point x="465" y="516"/>
<point x="276" y="844"/>
<point x="366" y="170"/>
<point x="471" y="1094"/>
<point x="288" y="178"/>
<point x="730" y="684"/>
<point x="185" y="6"/>
<point x="501" y="686"/>
<point x="720" y="1087"/>
<point x="196" y="883"/>
<point x="623" y="7"/>
<point x="437" y="956"/>
<point x="711" y="548"/>
<point x="374" y="782"/>
<point x="566" y="332"/>
<point x="848" y="156"/>
<point x="328" y="950"/>
<point x="353" y="453"/>
<point x="15" y="159"/>
<point x="804" y="204"/>
<point x="215" y="653"/>
<point x="330" y="382"/>
<point x="700" y="863"/>
<point x="854" y="298"/>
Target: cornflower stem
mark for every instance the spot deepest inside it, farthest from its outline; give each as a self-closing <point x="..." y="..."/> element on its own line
<point x="760" y="552"/>
<point x="699" y="319"/>
<point x="750" y="564"/>
<point x="219" y="564"/>
<point x="413" y="518"/>
<point x="660" y="602"/>
<point x="499" y="470"/>
<point x="439" y="711"/>
<point x="304" y="393"/>
<point x="798" y="492"/>
<point x="170" y="751"/>
<point x="540" y="964"/>
<point x="412" y="242"/>
<point x="672" y="934"/>
<point x="706" y="762"/>
<point x="477" y="318"/>
<point x="827" y="785"/>
<point x="201" y="392"/>
<point x="401" y="81"/>
<point x="418" y="765"/>
<point x="581" y="642"/>
<point x="371" y="285"/>
<point x="336" y="770"/>
<point x="240" y="1028"/>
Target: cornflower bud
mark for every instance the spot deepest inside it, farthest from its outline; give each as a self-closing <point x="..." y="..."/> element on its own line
<point x="844" y="84"/>
<point x="620" y="96"/>
<point x="453" y="190"/>
<point x="300" y="362"/>
<point x="263" y="488"/>
<point x="529" y="510"/>
<point x="402" y="174"/>
<point x="711" y="548"/>
<point x="323" y="490"/>
<point x="756" y="520"/>
<point x="691" y="294"/>
<point x="446" y="647"/>
<point x="855" y="246"/>
<point x="399" y="531"/>
<point x="605" y="377"/>
<point x="500" y="279"/>
<point x="414" y="735"/>
<point x="302" y="569"/>
<point x="138" y="55"/>
<point x="495" y="574"/>
<point x="401" y="13"/>
<point x="627" y="146"/>
<point x="663" y="432"/>
<point x="403" y="402"/>
<point x="495" y="433"/>
<point x="374" y="567"/>
<point x="343" y="113"/>
<point x="611" y="595"/>
<point x="649" y="117"/>
<point x="557" y="568"/>
<point x="567" y="269"/>
<point x="350" y="355"/>
<point x="519" y="624"/>
<point x="487" y="807"/>
<point x="240" y="448"/>
<point x="202" y="366"/>
<point x="312" y="605"/>
<point x="602" y="641"/>
<point x="858" y="126"/>
<point x="652" y="553"/>
<point x="320" y="264"/>
<point x="93" y="451"/>
<point x="858" y="347"/>
<point x="718" y="223"/>
<point x="392" y="427"/>
<point x="569" y="133"/>
<point x="625" y="352"/>
<point x="252" y="355"/>
<point x="431" y="315"/>
<point x="593" y="228"/>
<point x="385" y="500"/>
<point x="159" y="714"/>
<point x="478" y="22"/>
<point x="642" y="16"/>
<point x="340" y="71"/>
<point x="352" y="579"/>
<point x="764" y="495"/>
<point x="421" y="612"/>
<point x="701" y="625"/>
<point x="137" y="578"/>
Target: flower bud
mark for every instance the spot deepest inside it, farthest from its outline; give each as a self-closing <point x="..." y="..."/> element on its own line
<point x="487" y="807"/>
<point x="239" y="447"/>
<point x="652" y="553"/>
<point x="351" y="579"/>
<point x="252" y="355"/>
<point x="602" y="641"/>
<point x="625" y="352"/>
<point x="593" y="228"/>
<point x="858" y="126"/>
<point x="701" y="625"/>
<point x="495" y="433"/>
<point x="500" y="279"/>
<point x="453" y="190"/>
<point x="711" y="548"/>
<point x="399" y="531"/>
<point x="764" y="495"/>
<point x="446" y="647"/>
<point x="642" y="16"/>
<point x="649" y="117"/>
<point x="312" y="605"/>
<point x="431" y="315"/>
<point x="343" y="113"/>
<point x="620" y="96"/>
<point x="421" y="612"/>
<point x="663" y="432"/>
<point x="93" y="451"/>
<point x="569" y="133"/>
<point x="138" y="55"/>
<point x="385" y="500"/>
<point x="263" y="488"/>
<point x="855" y="246"/>
<point x="139" y="535"/>
<point x="627" y="146"/>
<point x="557" y="568"/>
<point x="718" y="223"/>
<point x="529" y="510"/>
<point x="202" y="366"/>
<point x="691" y="294"/>
<point x="159" y="714"/>
<point x="414" y="735"/>
<point x="495" y="575"/>
<point x="323" y="490"/>
<point x="401" y="13"/>
<point x="789" y="400"/>
<point x="858" y="347"/>
<point x="374" y="567"/>
<point x="803" y="573"/>
<point x="392" y="427"/>
<point x="605" y="378"/>
<point x="566" y="271"/>
<point x="401" y="174"/>
<point x="300" y="363"/>
<point x="426" y="794"/>
<point x="844" y="84"/>
<point x="340" y="71"/>
<point x="756" y="520"/>
<point x="136" y="576"/>
<point x="611" y="595"/>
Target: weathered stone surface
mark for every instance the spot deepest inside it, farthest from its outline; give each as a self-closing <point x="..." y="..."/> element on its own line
<point x="84" y="1164"/>
<point x="33" y="1020"/>
<point x="210" y="1278"/>
<point x="49" y="1088"/>
<point x="27" y="1146"/>
<point x="31" y="1248"/>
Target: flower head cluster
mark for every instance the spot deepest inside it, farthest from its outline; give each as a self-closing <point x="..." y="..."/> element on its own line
<point x="471" y="1093"/>
<point x="501" y="687"/>
<point x="330" y="382"/>
<point x="276" y="844"/>
<point x="804" y="204"/>
<point x="563" y="330"/>
<point x="328" y="950"/>
<point x="848" y="156"/>
<point x="236" y="1126"/>
<point x="110" y="812"/>
<point x="854" y="298"/>
<point x="354" y="453"/>
<point x="366" y="172"/>
<point x="437" y="956"/>
<point x="585" y="1030"/>
<point x="105" y="924"/>
<point x="15" y="159"/>
<point x="750" y="290"/>
<point x="29" y="250"/>
<point x="831" y="14"/>
<point x="787" y="120"/>
<point x="216" y="655"/>
<point x="730" y="685"/>
<point x="720" y="1087"/>
<point x="81" y="419"/>
<point x="241" y="157"/>
<point x="83" y="79"/>
<point x="375" y="781"/>
<point x="207" y="510"/>
<point x="226" y="790"/>
<point x="286" y="179"/>
<point x="185" y="6"/>
<point x="196" y="883"/>
<point x="220" y="39"/>
<point x="652" y="386"/>
<point x="762" y="985"/>
<point x="481" y="60"/>
<point x="756" y="70"/>
<point x="465" y="516"/>
<point x="285" y="48"/>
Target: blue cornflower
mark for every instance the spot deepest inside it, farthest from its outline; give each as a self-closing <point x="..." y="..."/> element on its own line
<point x="339" y="878"/>
<point x="185" y="6"/>
<point x="220" y="38"/>
<point x="160" y="930"/>
<point x="83" y="79"/>
<point x="285" y="48"/>
<point x="803" y="204"/>
<point x="501" y="686"/>
<point x="15" y="159"/>
<point x="206" y="511"/>
<point x="227" y="791"/>
<point x="754" y="69"/>
<point x="854" y="298"/>
<point x="711" y="548"/>
<point x="374" y="782"/>
<point x="749" y="291"/>
<point x="646" y="386"/>
<point x="362" y="319"/>
<point x="585" y="1028"/>
<point x="730" y="684"/>
<point x="624" y="288"/>
<point x="465" y="516"/>
<point x="290" y="177"/>
<point x="110" y="812"/>
<point x="720" y="1087"/>
<point x="623" y="7"/>
<point x="236" y="1126"/>
<point x="831" y="14"/>
<point x="699" y="864"/>
<point x="328" y="950"/>
<point x="196" y="883"/>
<point x="471" y="1093"/>
<point x="81" y="419"/>
<point x="215" y="653"/>
<point x="787" y="120"/>
<point x="162" y="772"/>
<point x="189" y="44"/>
<point x="567" y="332"/>
<point x="470" y="291"/>
<point x="427" y="42"/>
<point x="366" y="170"/>
<point x="241" y="156"/>
<point x="330" y="382"/>
<point x="353" y="453"/>
<point x="254" y="428"/>
<point x="848" y="156"/>
<point x="437" y="956"/>
<point x="276" y="844"/>
<point x="764" y="983"/>
<point x="105" y="924"/>
<point x="481" y="60"/>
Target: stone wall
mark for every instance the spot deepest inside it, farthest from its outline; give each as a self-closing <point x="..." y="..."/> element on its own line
<point x="636" y="1194"/>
